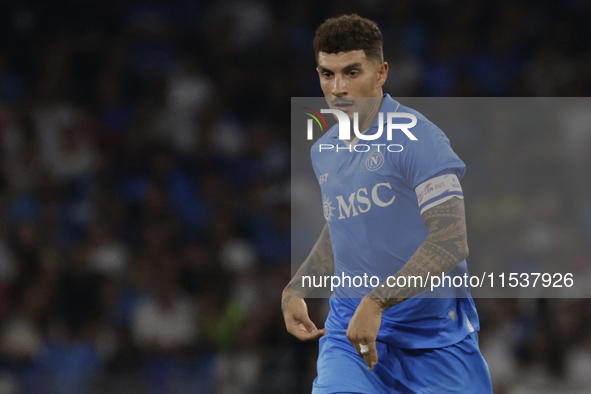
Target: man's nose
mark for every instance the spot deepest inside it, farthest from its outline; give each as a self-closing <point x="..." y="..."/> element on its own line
<point x="339" y="88"/>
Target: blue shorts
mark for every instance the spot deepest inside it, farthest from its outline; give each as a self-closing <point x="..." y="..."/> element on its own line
<point x="458" y="368"/>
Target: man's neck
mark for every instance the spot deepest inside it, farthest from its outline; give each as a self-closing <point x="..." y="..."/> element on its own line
<point x="367" y="121"/>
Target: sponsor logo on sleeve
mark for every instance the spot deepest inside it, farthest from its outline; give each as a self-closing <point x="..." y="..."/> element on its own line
<point x="436" y="190"/>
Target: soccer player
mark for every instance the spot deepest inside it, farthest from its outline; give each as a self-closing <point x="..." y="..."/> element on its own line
<point x="385" y="217"/>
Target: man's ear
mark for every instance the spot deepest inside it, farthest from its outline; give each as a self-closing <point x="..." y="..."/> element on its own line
<point x="382" y="74"/>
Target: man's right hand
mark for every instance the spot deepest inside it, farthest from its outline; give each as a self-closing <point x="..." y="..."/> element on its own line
<point x="297" y="321"/>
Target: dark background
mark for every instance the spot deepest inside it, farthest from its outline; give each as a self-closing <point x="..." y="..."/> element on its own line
<point x="145" y="183"/>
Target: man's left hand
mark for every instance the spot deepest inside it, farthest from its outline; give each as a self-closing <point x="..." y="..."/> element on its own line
<point x="363" y="330"/>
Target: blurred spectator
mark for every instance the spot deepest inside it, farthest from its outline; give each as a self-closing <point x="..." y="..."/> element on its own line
<point x="165" y="321"/>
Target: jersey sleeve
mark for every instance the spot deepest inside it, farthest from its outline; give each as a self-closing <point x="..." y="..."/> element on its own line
<point x="437" y="190"/>
<point x="431" y="167"/>
<point x="431" y="155"/>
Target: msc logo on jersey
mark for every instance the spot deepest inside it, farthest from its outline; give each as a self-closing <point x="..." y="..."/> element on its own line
<point x="358" y="202"/>
<point x="375" y="161"/>
<point x="327" y="208"/>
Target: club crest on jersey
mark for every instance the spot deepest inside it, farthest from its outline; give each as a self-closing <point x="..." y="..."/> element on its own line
<point x="327" y="208"/>
<point x="375" y="161"/>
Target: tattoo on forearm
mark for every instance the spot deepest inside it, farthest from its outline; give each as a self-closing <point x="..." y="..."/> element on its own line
<point x="319" y="262"/>
<point x="445" y="247"/>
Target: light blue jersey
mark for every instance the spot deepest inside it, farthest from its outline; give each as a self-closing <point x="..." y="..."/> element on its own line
<point x="372" y="203"/>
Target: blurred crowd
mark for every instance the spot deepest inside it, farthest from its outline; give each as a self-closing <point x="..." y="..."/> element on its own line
<point x="145" y="185"/>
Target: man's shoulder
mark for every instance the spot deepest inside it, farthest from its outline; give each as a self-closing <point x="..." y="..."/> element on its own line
<point x="425" y="130"/>
<point x="331" y="133"/>
<point x="423" y="123"/>
<point x="327" y="138"/>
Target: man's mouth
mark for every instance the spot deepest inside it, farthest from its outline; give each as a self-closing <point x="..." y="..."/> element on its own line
<point x="342" y="105"/>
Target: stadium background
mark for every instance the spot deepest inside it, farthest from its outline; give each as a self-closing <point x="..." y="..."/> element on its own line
<point x="144" y="187"/>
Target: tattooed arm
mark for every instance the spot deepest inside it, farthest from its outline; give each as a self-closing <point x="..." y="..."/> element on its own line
<point x="444" y="248"/>
<point x="320" y="262"/>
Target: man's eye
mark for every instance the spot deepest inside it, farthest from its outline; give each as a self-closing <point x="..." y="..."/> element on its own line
<point x="354" y="73"/>
<point x="326" y="75"/>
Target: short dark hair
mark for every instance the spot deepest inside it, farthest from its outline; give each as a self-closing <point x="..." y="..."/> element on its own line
<point x="349" y="33"/>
